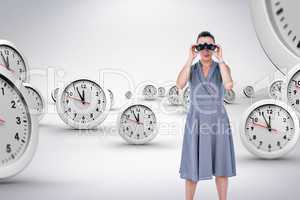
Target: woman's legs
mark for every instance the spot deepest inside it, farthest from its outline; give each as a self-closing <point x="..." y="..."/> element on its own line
<point x="222" y="185"/>
<point x="190" y="187"/>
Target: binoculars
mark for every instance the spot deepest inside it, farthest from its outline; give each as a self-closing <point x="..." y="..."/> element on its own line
<point x="211" y="47"/>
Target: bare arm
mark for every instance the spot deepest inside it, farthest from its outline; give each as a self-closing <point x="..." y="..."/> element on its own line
<point x="184" y="73"/>
<point x="226" y="76"/>
<point x="224" y="69"/>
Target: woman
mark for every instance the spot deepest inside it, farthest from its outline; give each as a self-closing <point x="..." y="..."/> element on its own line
<point x="207" y="148"/>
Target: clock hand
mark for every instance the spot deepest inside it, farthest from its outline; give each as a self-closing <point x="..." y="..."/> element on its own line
<point x="268" y="125"/>
<point x="138" y="118"/>
<point x="260" y="125"/>
<point x="4" y="61"/>
<point x="83" y="96"/>
<point x="2" y="121"/>
<point x="135" y="116"/>
<point x="134" y="121"/>
<point x="78" y="99"/>
<point x="79" y="94"/>
<point x="7" y="63"/>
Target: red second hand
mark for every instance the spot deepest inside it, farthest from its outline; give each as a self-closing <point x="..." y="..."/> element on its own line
<point x="264" y="126"/>
<point x="2" y="121"/>
<point x="78" y="99"/>
<point x="7" y="69"/>
<point x="135" y="121"/>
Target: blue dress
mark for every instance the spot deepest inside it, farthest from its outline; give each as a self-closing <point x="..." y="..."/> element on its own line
<point x="207" y="147"/>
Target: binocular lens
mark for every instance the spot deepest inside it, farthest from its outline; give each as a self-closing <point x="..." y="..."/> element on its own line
<point x="206" y="46"/>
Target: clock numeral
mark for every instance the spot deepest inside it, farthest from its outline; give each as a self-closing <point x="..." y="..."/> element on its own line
<point x="13" y="104"/>
<point x="2" y="89"/>
<point x="17" y="136"/>
<point x="18" y="120"/>
<point x="8" y="148"/>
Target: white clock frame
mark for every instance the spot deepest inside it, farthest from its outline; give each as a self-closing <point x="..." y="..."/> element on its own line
<point x="279" y="54"/>
<point x="139" y="142"/>
<point x="19" y="165"/>
<point x="42" y="114"/>
<point x="270" y="155"/>
<point x="12" y="45"/>
<point x="91" y="125"/>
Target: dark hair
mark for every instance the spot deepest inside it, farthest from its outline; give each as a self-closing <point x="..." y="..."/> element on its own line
<point x="205" y="34"/>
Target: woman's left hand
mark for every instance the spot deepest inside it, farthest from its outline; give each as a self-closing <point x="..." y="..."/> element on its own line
<point x="218" y="53"/>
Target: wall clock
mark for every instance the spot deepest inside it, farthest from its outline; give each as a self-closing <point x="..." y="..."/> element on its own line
<point x="161" y="91"/>
<point x="36" y="101"/>
<point x="278" y="30"/>
<point x="150" y="92"/>
<point x="291" y="89"/>
<point x="275" y="89"/>
<point x="13" y="60"/>
<point x="18" y="128"/>
<point x="269" y="128"/>
<point x="249" y="91"/>
<point x="83" y="104"/>
<point x="137" y="124"/>
<point x="174" y="97"/>
<point x="128" y="95"/>
<point x="186" y="98"/>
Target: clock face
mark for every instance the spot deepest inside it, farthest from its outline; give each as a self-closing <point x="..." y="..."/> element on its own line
<point x="292" y="90"/>
<point x="229" y="96"/>
<point x="173" y="96"/>
<point x="284" y="16"/>
<point x="161" y="91"/>
<point x="83" y="104"/>
<point x="137" y="124"/>
<point x="12" y="60"/>
<point x="277" y="27"/>
<point x="248" y="91"/>
<point x="269" y="128"/>
<point x="186" y="98"/>
<point x="150" y="92"/>
<point x="18" y="128"/>
<point x="36" y="102"/>
<point x="275" y="89"/>
<point x="15" y="123"/>
<point x="128" y="95"/>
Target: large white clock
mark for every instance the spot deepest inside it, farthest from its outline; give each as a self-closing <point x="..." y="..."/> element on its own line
<point x="83" y="104"/>
<point x="278" y="30"/>
<point x="18" y="128"/>
<point x="12" y="60"/>
<point x="269" y="128"/>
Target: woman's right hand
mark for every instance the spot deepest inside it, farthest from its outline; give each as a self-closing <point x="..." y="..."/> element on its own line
<point x="192" y="53"/>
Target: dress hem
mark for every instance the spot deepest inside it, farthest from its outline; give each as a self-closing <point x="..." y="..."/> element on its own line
<point x="184" y="176"/>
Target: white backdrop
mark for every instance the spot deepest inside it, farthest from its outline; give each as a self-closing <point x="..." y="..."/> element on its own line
<point x="148" y="40"/>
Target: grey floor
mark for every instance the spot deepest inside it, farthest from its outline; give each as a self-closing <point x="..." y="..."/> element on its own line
<point x="72" y="164"/>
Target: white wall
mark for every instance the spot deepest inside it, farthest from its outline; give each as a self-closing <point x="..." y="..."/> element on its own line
<point x="148" y="39"/>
